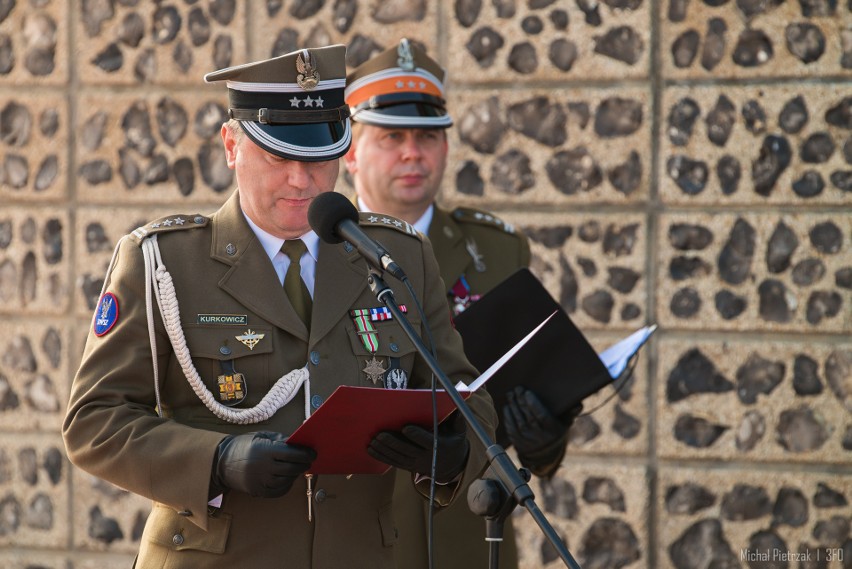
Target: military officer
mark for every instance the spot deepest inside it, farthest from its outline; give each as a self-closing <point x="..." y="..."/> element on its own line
<point x="215" y="337"/>
<point x="397" y="161"/>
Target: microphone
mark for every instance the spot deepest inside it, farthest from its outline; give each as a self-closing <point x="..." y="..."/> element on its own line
<point x="335" y="219"/>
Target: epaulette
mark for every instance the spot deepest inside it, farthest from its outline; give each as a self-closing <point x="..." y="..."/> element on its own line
<point x="388" y="221"/>
<point x="471" y="215"/>
<point x="168" y="223"/>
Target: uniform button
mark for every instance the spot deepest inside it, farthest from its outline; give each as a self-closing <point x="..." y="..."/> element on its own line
<point x="315" y="358"/>
<point x="320" y="495"/>
<point x="316" y="401"/>
<point x="198" y="219"/>
<point x="225" y="351"/>
<point x="177" y="539"/>
<point x="394" y="347"/>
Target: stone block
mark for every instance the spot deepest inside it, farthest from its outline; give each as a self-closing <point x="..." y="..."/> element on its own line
<point x="27" y="559"/>
<point x="597" y="509"/>
<point x="34" y="492"/>
<point x="755" y="401"/>
<point x="34" y="43"/>
<point x="755" y="271"/>
<point x="34" y="380"/>
<point x="593" y="266"/>
<point x="34" y="260"/>
<point x="33" y="153"/>
<point x="134" y="43"/>
<point x="539" y="146"/>
<point x="153" y="147"/>
<point x="365" y="28"/>
<point x="106" y="517"/>
<point x="755" y="39"/>
<point x="516" y="42"/>
<point x="746" y="518"/>
<point x="100" y="229"/>
<point x="615" y="420"/>
<point x="757" y="145"/>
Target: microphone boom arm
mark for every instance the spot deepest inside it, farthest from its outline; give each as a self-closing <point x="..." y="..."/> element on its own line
<point x="507" y="472"/>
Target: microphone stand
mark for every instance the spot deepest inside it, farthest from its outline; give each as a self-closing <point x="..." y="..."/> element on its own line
<point x="509" y="478"/>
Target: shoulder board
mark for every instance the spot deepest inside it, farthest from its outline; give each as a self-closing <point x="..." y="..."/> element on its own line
<point x="168" y="223"/>
<point x="369" y="219"/>
<point x="471" y="215"/>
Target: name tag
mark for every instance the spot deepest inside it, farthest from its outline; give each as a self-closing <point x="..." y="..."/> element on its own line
<point x="223" y="319"/>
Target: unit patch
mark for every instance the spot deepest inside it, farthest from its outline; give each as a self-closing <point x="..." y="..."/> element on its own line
<point x="106" y="314"/>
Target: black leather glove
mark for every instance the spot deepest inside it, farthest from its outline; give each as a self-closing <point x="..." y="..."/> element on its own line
<point x="411" y="449"/>
<point x="538" y="436"/>
<point x="260" y="464"/>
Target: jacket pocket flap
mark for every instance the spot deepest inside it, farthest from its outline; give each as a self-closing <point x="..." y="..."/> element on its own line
<point x="227" y="342"/>
<point x="171" y="530"/>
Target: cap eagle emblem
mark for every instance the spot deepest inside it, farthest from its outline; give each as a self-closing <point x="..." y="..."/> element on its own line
<point x="308" y="77"/>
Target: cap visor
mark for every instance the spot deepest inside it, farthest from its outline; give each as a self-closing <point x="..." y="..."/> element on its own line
<point x="313" y="142"/>
<point x="408" y="115"/>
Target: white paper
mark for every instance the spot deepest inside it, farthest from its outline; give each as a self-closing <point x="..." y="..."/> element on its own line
<point x="477" y="383"/>
<point x="617" y="357"/>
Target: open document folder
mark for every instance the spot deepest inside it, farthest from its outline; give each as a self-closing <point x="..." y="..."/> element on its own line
<point x="559" y="364"/>
<point x="341" y="429"/>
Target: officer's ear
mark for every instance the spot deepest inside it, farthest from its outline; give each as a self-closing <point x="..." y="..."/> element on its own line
<point x="231" y="135"/>
<point x="350" y="158"/>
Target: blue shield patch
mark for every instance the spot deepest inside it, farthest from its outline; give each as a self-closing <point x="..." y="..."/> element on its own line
<point x="106" y="314"/>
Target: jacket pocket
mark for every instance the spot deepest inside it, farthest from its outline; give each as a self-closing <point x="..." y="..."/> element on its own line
<point x="233" y="362"/>
<point x="168" y="529"/>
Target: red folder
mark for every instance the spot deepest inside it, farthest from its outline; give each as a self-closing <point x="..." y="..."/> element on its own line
<point x="341" y="429"/>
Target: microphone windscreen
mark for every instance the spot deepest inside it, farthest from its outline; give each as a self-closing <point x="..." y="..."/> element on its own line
<point x="327" y="211"/>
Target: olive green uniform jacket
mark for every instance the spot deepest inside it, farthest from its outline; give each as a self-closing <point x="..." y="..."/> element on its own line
<point x="218" y="266"/>
<point x="459" y="535"/>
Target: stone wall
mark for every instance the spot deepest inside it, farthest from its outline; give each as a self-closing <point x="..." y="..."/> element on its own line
<point x="683" y="162"/>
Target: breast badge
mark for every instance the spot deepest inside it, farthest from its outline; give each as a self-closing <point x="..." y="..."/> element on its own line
<point x="250" y="338"/>
<point x="396" y="379"/>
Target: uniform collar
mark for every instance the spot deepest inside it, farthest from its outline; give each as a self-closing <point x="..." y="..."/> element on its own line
<point x="272" y="244"/>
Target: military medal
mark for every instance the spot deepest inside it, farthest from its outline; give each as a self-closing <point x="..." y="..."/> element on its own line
<point x="365" y="329"/>
<point x="374" y="370"/>
<point x="232" y="384"/>
<point x="250" y="338"/>
<point x="364" y="318"/>
<point x="462" y="298"/>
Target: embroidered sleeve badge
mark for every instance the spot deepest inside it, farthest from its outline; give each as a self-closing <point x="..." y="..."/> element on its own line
<point x="106" y="314"/>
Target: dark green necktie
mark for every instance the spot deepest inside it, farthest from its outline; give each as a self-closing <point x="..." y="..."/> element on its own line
<point x="294" y="286"/>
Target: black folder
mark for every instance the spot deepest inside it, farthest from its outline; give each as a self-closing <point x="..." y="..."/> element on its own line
<point x="558" y="363"/>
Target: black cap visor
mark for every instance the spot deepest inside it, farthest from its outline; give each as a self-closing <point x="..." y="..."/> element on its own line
<point x="313" y="142"/>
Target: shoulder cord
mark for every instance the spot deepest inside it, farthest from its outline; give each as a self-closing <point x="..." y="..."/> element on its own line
<point x="159" y="279"/>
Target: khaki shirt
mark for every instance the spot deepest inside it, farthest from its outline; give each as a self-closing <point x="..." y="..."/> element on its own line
<point x="218" y="267"/>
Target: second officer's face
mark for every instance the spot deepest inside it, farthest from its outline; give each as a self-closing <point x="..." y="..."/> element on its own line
<point x="276" y="192"/>
<point x="397" y="170"/>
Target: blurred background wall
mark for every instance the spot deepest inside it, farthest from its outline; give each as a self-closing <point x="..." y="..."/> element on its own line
<point x="680" y="162"/>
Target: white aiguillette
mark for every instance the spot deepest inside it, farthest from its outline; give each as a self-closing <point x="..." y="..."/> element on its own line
<point x="341" y="429"/>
